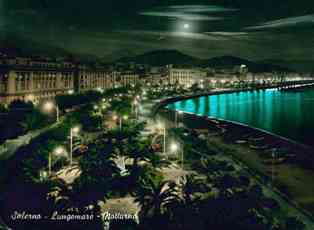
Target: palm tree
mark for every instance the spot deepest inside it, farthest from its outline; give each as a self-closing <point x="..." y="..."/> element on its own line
<point x="157" y="161"/>
<point x="140" y="151"/>
<point x="60" y="195"/>
<point x="121" y="107"/>
<point x="145" y="162"/>
<point x="226" y="183"/>
<point x="98" y="174"/>
<point x="185" y="212"/>
<point x="155" y="197"/>
<point x="190" y="184"/>
<point x="66" y="201"/>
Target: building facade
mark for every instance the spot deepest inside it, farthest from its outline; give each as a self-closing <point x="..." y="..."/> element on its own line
<point x="186" y="77"/>
<point x="37" y="79"/>
<point x="33" y="79"/>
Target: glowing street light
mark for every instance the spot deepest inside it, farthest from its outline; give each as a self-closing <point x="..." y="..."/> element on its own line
<point x="59" y="151"/>
<point x="49" y="106"/>
<point x="73" y="131"/>
<point x="124" y="117"/>
<point x="174" y="148"/>
<point x="186" y="26"/>
<point x="99" y="89"/>
<point x="176" y="114"/>
<point x="135" y="107"/>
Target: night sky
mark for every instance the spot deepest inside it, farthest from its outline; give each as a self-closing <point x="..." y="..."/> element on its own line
<point x="111" y="29"/>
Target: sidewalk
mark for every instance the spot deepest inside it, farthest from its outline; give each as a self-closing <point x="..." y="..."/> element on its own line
<point x="11" y="146"/>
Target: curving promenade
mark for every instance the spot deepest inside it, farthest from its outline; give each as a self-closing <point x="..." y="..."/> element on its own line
<point x="292" y="207"/>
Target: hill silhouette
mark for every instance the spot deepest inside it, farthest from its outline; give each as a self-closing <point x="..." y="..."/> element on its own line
<point x="166" y="57"/>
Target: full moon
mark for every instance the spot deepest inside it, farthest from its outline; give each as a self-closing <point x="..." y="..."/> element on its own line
<point x="186" y="26"/>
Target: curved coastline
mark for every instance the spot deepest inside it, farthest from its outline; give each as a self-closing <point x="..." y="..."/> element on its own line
<point x="302" y="151"/>
<point x="293" y="144"/>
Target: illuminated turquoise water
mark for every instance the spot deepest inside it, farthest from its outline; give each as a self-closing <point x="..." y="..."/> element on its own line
<point x="289" y="114"/>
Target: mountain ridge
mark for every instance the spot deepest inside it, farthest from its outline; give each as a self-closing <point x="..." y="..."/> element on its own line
<point x="175" y="57"/>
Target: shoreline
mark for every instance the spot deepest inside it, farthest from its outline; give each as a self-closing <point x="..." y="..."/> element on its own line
<point x="293" y="144"/>
<point x="304" y="85"/>
<point x="299" y="154"/>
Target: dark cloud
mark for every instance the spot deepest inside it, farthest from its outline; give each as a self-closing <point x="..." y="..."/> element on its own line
<point x="115" y="28"/>
<point x="285" y="22"/>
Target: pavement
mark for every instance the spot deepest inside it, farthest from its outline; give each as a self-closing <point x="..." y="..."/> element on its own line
<point x="69" y="174"/>
<point x="11" y="146"/>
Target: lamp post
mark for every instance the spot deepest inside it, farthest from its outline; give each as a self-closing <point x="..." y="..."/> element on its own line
<point x="124" y="117"/>
<point x="49" y="106"/>
<point x="177" y="113"/>
<point x="73" y="131"/>
<point x="57" y="152"/>
<point x="115" y="117"/>
<point x="273" y="155"/>
<point x="174" y="147"/>
<point x="162" y="127"/>
<point x="135" y="108"/>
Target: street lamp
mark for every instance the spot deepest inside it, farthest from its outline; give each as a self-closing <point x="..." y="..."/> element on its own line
<point x="186" y="26"/>
<point x="176" y="114"/>
<point x="174" y="148"/>
<point x="73" y="131"/>
<point x="162" y="127"/>
<point x="273" y="155"/>
<point x="124" y="117"/>
<point x="135" y="107"/>
<point x="104" y="107"/>
<point x="57" y="152"/>
<point x="49" y="106"/>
